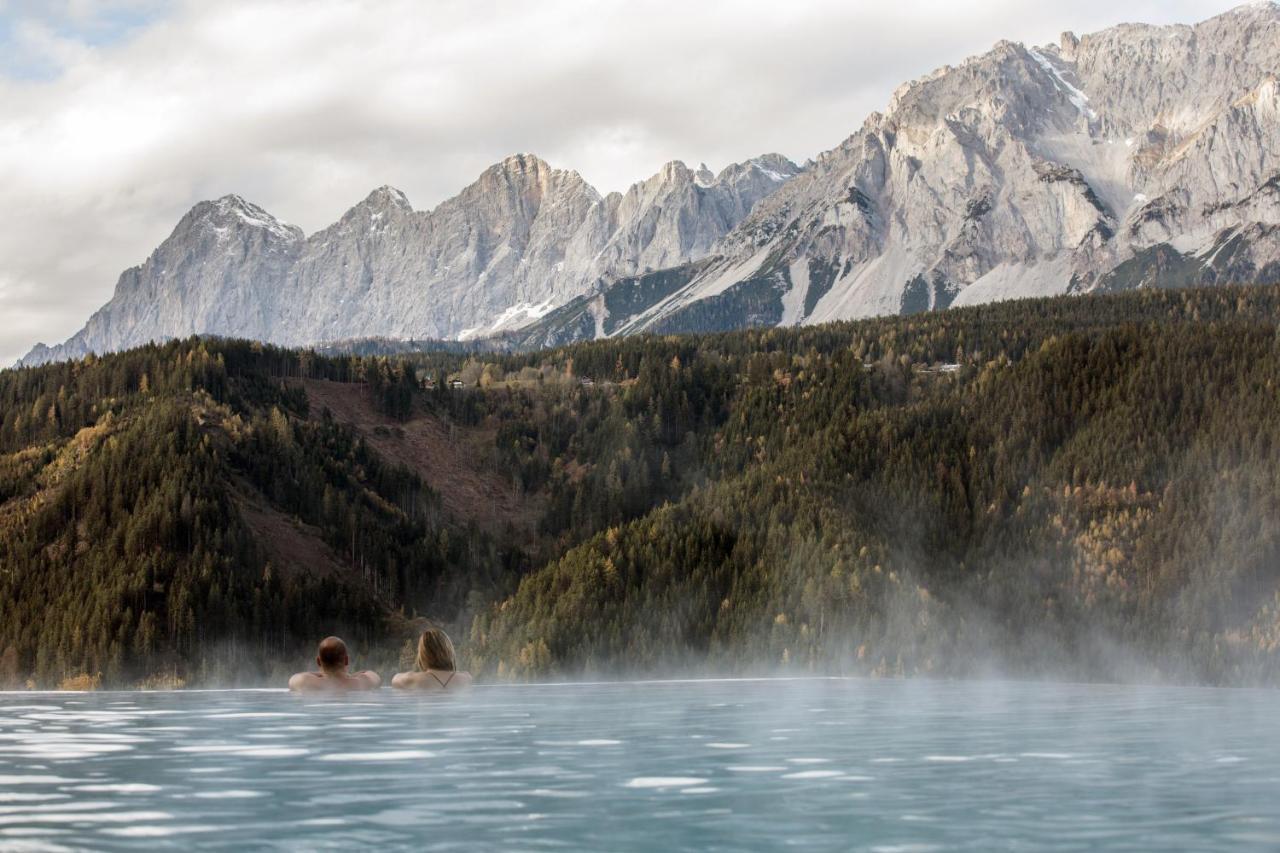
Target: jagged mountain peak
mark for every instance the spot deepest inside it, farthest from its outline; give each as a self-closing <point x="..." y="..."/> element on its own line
<point x="372" y="215"/>
<point x="1257" y="10"/>
<point x="234" y="211"/>
<point x="775" y="166"/>
<point x="774" y="160"/>
<point x="528" y="177"/>
<point x="528" y="168"/>
<point x="772" y="166"/>
<point x="1068" y="44"/>
<point x="387" y="196"/>
<point x="239" y="206"/>
<point x="523" y="162"/>
<point x="674" y="170"/>
<point x="677" y="173"/>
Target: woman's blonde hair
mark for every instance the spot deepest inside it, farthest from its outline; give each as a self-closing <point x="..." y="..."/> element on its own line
<point x="435" y="651"/>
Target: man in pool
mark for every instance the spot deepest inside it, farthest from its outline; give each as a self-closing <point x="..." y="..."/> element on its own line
<point x="333" y="661"/>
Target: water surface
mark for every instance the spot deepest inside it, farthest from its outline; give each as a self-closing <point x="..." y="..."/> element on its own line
<point x="730" y="765"/>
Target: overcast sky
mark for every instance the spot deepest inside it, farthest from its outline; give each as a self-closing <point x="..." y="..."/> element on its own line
<point x="116" y="116"/>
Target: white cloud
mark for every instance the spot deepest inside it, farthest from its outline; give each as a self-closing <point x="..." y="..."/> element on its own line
<point x="132" y="111"/>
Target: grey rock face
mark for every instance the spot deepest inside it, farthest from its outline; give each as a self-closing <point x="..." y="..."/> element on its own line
<point x="523" y="239"/>
<point x="1022" y="172"/>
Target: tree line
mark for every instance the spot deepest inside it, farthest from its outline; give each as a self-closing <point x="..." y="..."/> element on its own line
<point x="1081" y="486"/>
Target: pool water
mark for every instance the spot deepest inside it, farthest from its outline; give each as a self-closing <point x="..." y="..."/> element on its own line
<point x="728" y="765"/>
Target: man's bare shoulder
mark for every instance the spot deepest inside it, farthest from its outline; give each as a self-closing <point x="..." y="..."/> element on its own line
<point x="308" y="681"/>
<point x="367" y="680"/>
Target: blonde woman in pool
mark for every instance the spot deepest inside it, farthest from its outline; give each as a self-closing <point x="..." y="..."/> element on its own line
<point x="437" y="666"/>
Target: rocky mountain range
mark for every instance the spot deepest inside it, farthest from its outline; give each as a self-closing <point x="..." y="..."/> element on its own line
<point x="1137" y="156"/>
<point x="520" y="241"/>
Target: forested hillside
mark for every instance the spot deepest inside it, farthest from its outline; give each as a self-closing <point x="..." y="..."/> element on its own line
<point x="1083" y="487"/>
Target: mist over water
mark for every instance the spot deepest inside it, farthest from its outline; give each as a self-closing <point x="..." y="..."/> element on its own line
<point x="730" y="764"/>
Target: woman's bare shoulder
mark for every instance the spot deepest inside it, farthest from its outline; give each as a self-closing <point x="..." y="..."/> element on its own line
<point x="407" y="679"/>
<point x="431" y="681"/>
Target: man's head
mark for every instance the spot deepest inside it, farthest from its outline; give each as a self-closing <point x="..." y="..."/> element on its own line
<point x="332" y="655"/>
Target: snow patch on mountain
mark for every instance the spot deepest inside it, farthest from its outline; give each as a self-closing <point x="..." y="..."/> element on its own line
<point x="1077" y="97"/>
<point x="520" y="314"/>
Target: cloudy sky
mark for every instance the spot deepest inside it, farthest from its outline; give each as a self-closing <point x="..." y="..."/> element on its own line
<point x="116" y="116"/>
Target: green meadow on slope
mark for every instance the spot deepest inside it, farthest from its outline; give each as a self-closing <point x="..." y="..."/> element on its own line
<point x="1084" y="487"/>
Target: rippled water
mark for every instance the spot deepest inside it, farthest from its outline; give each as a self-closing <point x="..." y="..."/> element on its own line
<point x="825" y="764"/>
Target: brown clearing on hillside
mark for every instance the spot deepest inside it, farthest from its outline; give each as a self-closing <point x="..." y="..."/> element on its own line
<point x="293" y="547"/>
<point x="296" y="548"/>
<point x="448" y="457"/>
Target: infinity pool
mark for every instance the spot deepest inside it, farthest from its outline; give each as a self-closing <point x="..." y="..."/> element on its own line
<point x="729" y="765"/>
